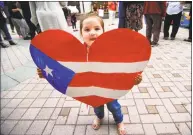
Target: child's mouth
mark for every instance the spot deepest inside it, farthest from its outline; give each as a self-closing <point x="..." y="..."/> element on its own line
<point x="93" y="39"/>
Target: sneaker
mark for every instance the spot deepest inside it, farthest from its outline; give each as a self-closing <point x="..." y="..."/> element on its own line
<point x="27" y="38"/>
<point x="12" y="43"/>
<point x="5" y="38"/>
<point x="166" y="38"/>
<point x="172" y="38"/>
<point x="4" y="45"/>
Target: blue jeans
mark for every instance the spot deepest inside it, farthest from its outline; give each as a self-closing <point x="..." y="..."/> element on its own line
<point x="6" y="31"/>
<point x="114" y="107"/>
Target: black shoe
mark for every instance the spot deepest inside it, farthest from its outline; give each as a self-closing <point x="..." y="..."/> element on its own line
<point x="12" y="43"/>
<point x="5" y="38"/>
<point x="4" y="45"/>
<point x="188" y="40"/>
<point x="154" y="44"/>
<point x="172" y="38"/>
<point x="27" y="38"/>
<point x="166" y="38"/>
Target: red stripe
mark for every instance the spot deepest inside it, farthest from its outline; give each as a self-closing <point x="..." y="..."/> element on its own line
<point x="120" y="45"/>
<point x="94" y="101"/>
<point x="118" y="81"/>
<point x="60" y="46"/>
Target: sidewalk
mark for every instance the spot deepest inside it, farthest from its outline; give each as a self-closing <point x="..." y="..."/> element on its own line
<point x="160" y="104"/>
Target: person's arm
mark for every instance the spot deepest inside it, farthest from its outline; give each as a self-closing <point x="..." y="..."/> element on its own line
<point x="34" y="19"/>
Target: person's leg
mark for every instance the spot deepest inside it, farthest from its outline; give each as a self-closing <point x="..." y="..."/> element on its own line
<point x="25" y="27"/>
<point x="176" y="24"/>
<point x="115" y="108"/>
<point x="99" y="111"/>
<point x="190" y="29"/>
<point x="113" y="17"/>
<point x="16" y="26"/>
<point x="7" y="34"/>
<point x="110" y="17"/>
<point x="11" y="24"/>
<point x="167" y="22"/>
<point x="149" y="24"/>
<point x="157" y="19"/>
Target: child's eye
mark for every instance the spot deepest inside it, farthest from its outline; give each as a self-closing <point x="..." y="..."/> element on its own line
<point x="97" y="28"/>
<point x="86" y="30"/>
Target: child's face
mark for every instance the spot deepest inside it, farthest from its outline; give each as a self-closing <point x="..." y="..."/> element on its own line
<point x="91" y="30"/>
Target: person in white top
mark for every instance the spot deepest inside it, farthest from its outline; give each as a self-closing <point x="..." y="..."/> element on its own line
<point x="173" y="15"/>
<point x="49" y="15"/>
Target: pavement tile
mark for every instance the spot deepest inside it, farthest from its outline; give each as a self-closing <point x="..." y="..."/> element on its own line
<point x="80" y="130"/>
<point x="51" y="102"/>
<point x="26" y="103"/>
<point x="152" y="109"/>
<point x="4" y="93"/>
<point x="49" y="127"/>
<point x="102" y="130"/>
<point x="21" y="127"/>
<point x="73" y="115"/>
<point x="33" y="94"/>
<point x="17" y="113"/>
<point x="180" y="108"/>
<point x="164" y="114"/>
<point x="141" y="106"/>
<point x="181" y="117"/>
<point x="149" y="129"/>
<point x="63" y="130"/>
<point x="39" y="87"/>
<point x="84" y="109"/>
<point x="13" y="103"/>
<point x="152" y="92"/>
<point x="141" y="95"/>
<point x="29" y="87"/>
<point x="188" y="108"/>
<point x="7" y="126"/>
<point x="169" y="106"/>
<point x="19" y="87"/>
<point x="48" y="87"/>
<point x="126" y="118"/>
<point x="187" y="93"/>
<point x="11" y="94"/>
<point x="56" y="113"/>
<point x="134" y="129"/>
<point x="179" y="100"/>
<point x="4" y="102"/>
<point x="61" y="120"/>
<point x="45" y="94"/>
<point x="128" y="102"/>
<point x="71" y="104"/>
<point x="37" y="127"/>
<point x="22" y="94"/>
<point x="5" y="112"/>
<point x="166" y="128"/>
<point x="61" y="102"/>
<point x="133" y="114"/>
<point x="183" y="128"/>
<point x="65" y="111"/>
<point x="153" y="102"/>
<point x="45" y="113"/>
<point x="56" y="93"/>
<point x="38" y="102"/>
<point x="189" y="124"/>
<point x="30" y="114"/>
<point x="166" y="94"/>
<point x="85" y="119"/>
<point x="150" y="118"/>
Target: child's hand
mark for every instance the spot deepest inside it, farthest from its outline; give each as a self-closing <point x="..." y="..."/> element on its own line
<point x="138" y="79"/>
<point x="40" y="73"/>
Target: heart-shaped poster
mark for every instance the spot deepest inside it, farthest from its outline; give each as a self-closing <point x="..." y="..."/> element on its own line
<point x="107" y="72"/>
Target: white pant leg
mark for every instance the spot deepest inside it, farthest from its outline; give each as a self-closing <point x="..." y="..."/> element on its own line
<point x="110" y="17"/>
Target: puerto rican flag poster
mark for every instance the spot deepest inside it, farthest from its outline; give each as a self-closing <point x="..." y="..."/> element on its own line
<point x="104" y="73"/>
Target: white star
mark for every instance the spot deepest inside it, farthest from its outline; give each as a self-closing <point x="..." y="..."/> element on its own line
<point x="48" y="71"/>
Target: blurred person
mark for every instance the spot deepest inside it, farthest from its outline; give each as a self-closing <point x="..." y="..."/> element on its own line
<point x="190" y="24"/>
<point x="173" y="14"/>
<point x="134" y="15"/>
<point x="18" y="19"/>
<point x="49" y="15"/>
<point x="3" y="27"/>
<point x="112" y="7"/>
<point x="154" y="12"/>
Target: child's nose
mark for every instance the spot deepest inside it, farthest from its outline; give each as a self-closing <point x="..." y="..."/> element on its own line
<point x="92" y="33"/>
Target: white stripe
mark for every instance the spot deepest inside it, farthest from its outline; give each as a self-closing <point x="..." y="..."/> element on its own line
<point x="102" y="67"/>
<point x="95" y="91"/>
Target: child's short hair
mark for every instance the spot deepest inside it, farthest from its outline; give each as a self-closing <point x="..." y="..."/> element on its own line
<point x="88" y="16"/>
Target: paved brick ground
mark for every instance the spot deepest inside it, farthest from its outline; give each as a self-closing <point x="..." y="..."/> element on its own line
<point x="160" y="104"/>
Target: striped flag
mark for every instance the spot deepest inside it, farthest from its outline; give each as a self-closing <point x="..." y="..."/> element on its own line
<point x="99" y="76"/>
